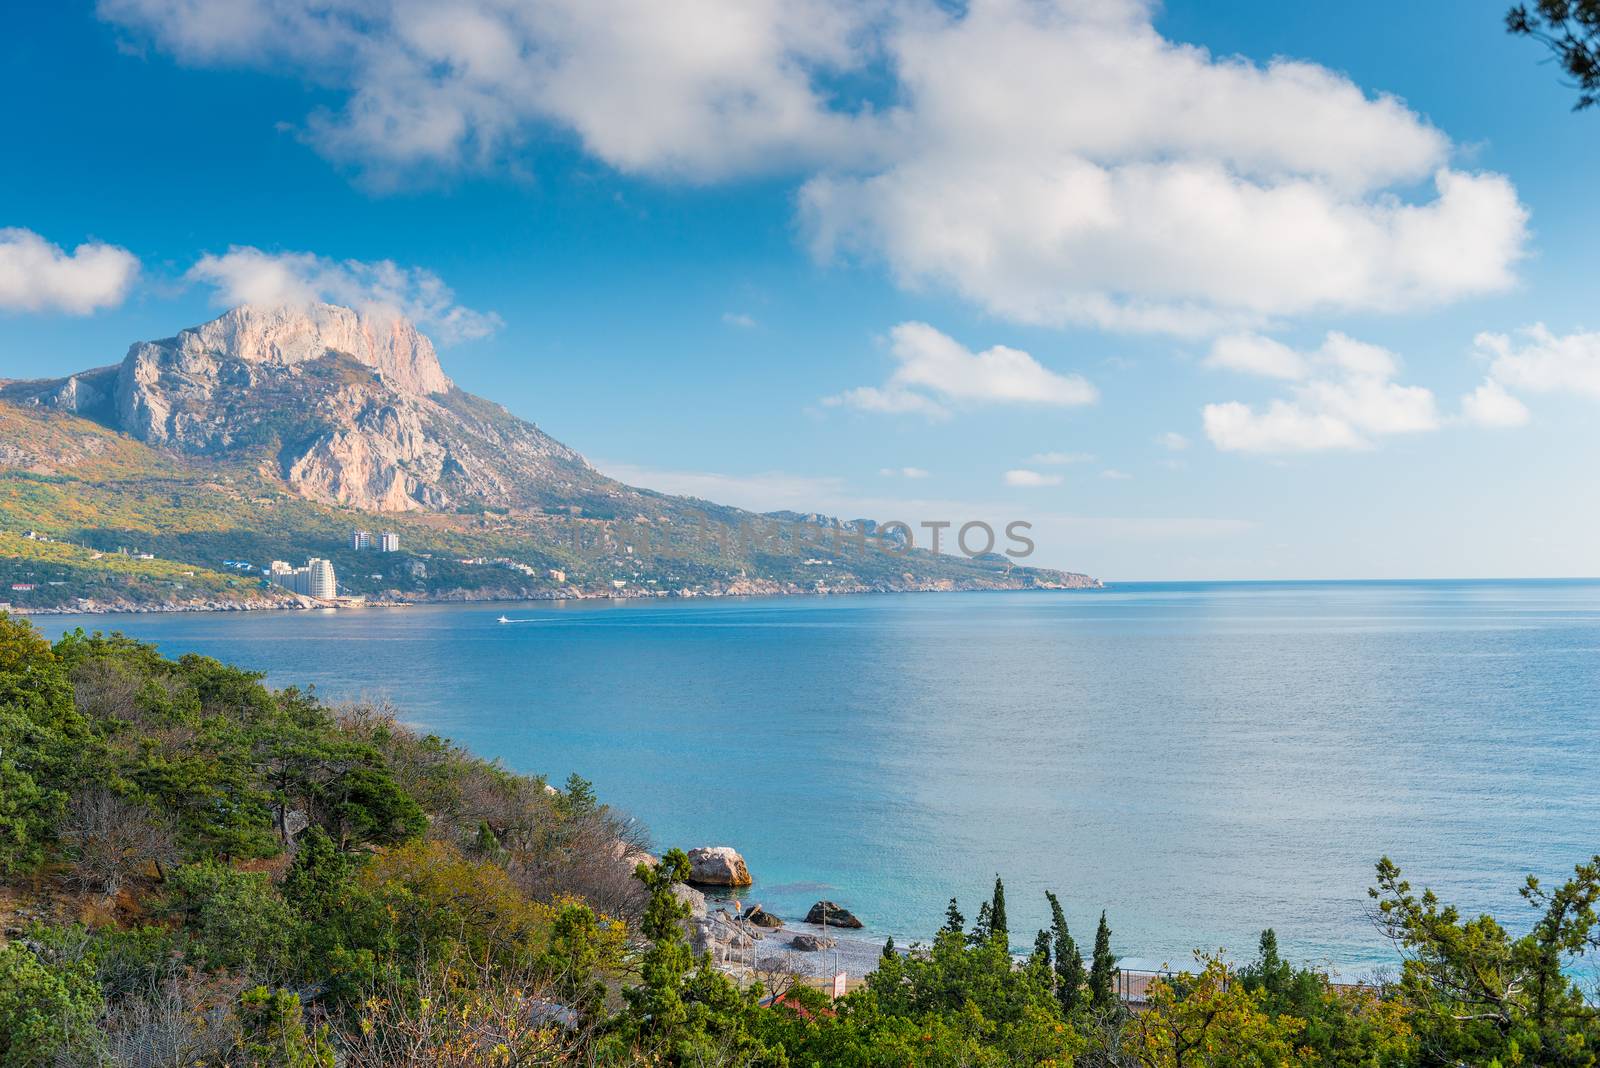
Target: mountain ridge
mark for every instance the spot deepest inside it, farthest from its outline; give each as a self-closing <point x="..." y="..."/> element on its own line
<point x="258" y="416"/>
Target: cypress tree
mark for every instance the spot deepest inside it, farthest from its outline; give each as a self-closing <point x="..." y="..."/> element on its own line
<point x="888" y="950"/>
<point x="1102" y="972"/>
<point x="1069" y="962"/>
<point x="954" y="922"/>
<point x="998" y="928"/>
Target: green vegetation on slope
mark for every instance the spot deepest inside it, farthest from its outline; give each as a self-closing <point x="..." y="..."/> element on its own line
<point x="77" y="481"/>
<point x="193" y="864"/>
<point x="45" y="574"/>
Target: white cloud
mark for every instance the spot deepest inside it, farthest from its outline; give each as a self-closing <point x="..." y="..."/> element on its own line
<point x="1066" y="164"/>
<point x="1345" y="398"/>
<point x="1491" y="406"/>
<point x="902" y="472"/>
<point x="1172" y="441"/>
<point x="891" y="400"/>
<point x="1020" y="477"/>
<point x="934" y="368"/>
<point x="695" y="88"/>
<point x="1257" y="355"/>
<point x="1115" y="475"/>
<point x="739" y="319"/>
<point x="1544" y="362"/>
<point x="1061" y="459"/>
<point x="36" y="275"/>
<point x="1053" y="161"/>
<point x="245" y="275"/>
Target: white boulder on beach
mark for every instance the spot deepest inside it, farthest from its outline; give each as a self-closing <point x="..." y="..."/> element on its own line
<point x="718" y="866"/>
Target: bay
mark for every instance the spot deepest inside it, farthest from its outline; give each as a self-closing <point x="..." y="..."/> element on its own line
<point x="1200" y="760"/>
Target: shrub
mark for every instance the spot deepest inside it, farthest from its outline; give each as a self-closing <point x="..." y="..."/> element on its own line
<point x="42" y="1007"/>
<point x="237" y="919"/>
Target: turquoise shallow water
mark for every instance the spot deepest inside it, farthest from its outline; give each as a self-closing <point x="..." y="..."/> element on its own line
<point x="1201" y="760"/>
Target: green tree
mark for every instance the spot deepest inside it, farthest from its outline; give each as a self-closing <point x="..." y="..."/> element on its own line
<point x="998" y="925"/>
<point x="42" y="1008"/>
<point x="1211" y="1020"/>
<point x="1478" y="994"/>
<point x="237" y="920"/>
<point x="954" y="922"/>
<point x="273" y="1032"/>
<point x="682" y="1011"/>
<point x="1040" y="957"/>
<point x="1570" y="30"/>
<point x="1103" y="970"/>
<point x="1270" y="972"/>
<point x="1068" y="961"/>
<point x="41" y="742"/>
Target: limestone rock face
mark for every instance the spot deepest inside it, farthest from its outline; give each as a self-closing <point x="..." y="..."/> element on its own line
<point x="348" y="408"/>
<point x="718" y="866"/>
<point x="289" y="335"/>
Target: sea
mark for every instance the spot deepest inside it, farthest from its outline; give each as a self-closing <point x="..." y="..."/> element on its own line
<point x="1199" y="761"/>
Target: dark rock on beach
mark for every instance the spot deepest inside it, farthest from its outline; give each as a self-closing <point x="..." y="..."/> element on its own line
<point x="828" y="914"/>
<point x="761" y="917"/>
<point x="811" y="943"/>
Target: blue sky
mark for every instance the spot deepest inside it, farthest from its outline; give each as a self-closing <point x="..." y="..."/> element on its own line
<point x="648" y="261"/>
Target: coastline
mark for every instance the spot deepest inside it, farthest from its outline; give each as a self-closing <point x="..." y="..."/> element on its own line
<point x="747" y="590"/>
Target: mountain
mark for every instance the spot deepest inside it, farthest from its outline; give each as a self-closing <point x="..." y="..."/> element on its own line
<point x="274" y="431"/>
<point x="347" y="408"/>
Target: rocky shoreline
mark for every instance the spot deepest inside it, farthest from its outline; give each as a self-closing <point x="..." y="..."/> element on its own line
<point x="748" y="942"/>
<point x="743" y="588"/>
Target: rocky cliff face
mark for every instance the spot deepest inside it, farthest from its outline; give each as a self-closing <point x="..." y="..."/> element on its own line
<point x="347" y="408"/>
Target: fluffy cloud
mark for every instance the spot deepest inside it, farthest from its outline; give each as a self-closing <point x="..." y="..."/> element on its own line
<point x="1542" y="362"/>
<point x="934" y="368"/>
<point x="36" y="275"/>
<point x="1053" y="161"/>
<point x="245" y="275"/>
<point x="1491" y="406"/>
<point x="1030" y="479"/>
<point x="1172" y="441"/>
<point x="903" y="472"/>
<point x="1345" y="397"/>
<point x="695" y="88"/>
<point x="1066" y="164"/>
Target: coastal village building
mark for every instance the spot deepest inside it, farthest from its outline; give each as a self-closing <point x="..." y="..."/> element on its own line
<point x="389" y="542"/>
<point x="558" y="575"/>
<point x="316" y="579"/>
<point x="361" y="539"/>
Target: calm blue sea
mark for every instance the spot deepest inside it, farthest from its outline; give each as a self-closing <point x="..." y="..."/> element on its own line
<point x="1199" y="760"/>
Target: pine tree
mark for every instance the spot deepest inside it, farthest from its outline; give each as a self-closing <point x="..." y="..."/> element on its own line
<point x="1270" y="971"/>
<point x="983" y="927"/>
<point x="998" y="928"/>
<point x="1040" y="957"/>
<point x="1102" y="972"/>
<point x="1069" y="962"/>
<point x="888" y="950"/>
<point x="954" y="922"/>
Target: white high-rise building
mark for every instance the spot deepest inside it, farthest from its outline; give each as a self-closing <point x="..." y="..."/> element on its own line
<point x="361" y="539"/>
<point x="316" y="579"/>
<point x="389" y="542"/>
<point x="320" y="581"/>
